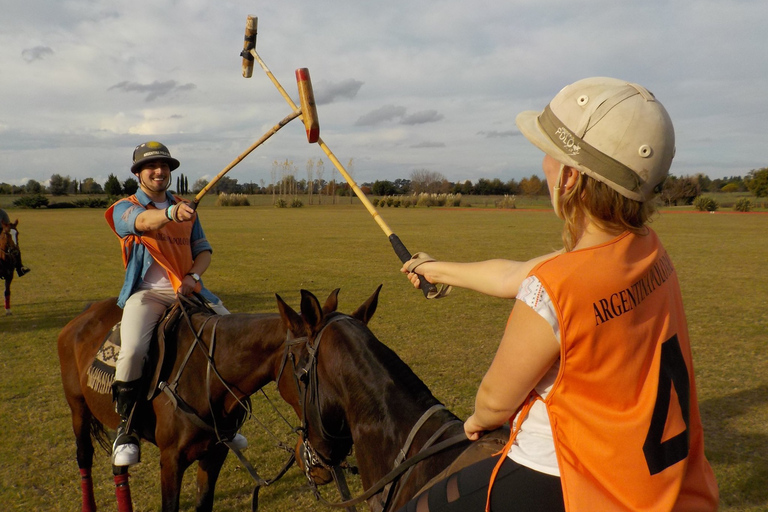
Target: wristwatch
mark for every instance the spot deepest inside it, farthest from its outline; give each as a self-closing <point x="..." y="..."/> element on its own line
<point x="194" y="276"/>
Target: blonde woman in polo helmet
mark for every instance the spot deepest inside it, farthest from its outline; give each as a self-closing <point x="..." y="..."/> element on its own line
<point x="594" y="369"/>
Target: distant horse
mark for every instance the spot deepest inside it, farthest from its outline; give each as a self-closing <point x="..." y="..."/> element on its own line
<point x="219" y="362"/>
<point x="9" y="259"/>
<point x="348" y="387"/>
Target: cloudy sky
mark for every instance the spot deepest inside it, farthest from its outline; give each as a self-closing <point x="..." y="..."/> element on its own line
<point x="401" y="85"/>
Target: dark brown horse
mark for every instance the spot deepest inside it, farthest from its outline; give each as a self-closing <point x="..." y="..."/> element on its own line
<point x="351" y="388"/>
<point x="9" y="259"/>
<point x="230" y="358"/>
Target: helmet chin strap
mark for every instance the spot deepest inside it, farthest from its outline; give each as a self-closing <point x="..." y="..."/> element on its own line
<point x="167" y="186"/>
<point x="556" y="192"/>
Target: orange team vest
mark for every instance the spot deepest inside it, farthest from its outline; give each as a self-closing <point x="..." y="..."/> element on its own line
<point x="623" y="409"/>
<point x="169" y="245"/>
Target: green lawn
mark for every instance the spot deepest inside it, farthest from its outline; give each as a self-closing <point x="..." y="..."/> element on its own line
<point x="260" y="251"/>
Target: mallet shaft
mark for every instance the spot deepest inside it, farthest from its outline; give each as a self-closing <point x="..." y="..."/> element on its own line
<point x="293" y="115"/>
<point x="429" y="289"/>
<point x="273" y="79"/>
<point x="358" y="192"/>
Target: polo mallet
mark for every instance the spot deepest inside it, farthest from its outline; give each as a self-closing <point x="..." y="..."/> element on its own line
<point x="307" y="112"/>
<point x="313" y="135"/>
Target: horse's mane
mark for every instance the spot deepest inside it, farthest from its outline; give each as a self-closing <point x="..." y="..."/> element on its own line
<point x="398" y="370"/>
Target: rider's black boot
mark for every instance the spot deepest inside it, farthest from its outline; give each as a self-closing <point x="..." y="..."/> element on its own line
<point x="126" y="450"/>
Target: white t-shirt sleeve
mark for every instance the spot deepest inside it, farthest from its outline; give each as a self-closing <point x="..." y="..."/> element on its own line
<point x="534" y="446"/>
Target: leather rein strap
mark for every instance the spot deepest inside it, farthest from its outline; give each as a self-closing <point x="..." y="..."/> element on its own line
<point x="402" y="468"/>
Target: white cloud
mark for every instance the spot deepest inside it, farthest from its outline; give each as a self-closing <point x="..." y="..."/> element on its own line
<point x="417" y="84"/>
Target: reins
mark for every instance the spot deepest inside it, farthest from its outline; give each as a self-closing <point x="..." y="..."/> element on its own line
<point x="223" y="436"/>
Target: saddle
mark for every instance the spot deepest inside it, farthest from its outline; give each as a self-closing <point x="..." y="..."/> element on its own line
<point x="487" y="446"/>
<point x="158" y="365"/>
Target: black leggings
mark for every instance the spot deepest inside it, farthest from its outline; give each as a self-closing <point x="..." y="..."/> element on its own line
<point x="516" y="489"/>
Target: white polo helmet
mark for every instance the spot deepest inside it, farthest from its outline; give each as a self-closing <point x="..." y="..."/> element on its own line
<point x="612" y="130"/>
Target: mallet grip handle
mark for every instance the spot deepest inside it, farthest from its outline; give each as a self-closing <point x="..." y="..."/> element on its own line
<point x="404" y="255"/>
<point x="249" y="43"/>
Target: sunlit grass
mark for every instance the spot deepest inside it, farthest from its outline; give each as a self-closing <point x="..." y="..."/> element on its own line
<point x="260" y="251"/>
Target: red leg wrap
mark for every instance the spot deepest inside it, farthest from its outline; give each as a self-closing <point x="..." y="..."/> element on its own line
<point x="123" y="493"/>
<point x="86" y="485"/>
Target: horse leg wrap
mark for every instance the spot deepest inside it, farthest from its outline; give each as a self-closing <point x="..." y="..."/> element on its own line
<point x="86" y="485"/>
<point x="123" y="493"/>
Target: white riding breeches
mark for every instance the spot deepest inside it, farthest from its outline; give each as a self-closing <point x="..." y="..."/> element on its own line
<point x="142" y="311"/>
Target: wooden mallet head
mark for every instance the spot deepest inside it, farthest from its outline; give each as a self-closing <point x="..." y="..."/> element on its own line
<point x="308" y="107"/>
<point x="249" y="44"/>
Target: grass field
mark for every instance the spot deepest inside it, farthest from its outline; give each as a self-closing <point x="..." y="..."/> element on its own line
<point x="260" y="251"/>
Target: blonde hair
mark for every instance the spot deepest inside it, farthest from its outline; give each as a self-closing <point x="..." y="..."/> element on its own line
<point x="592" y="200"/>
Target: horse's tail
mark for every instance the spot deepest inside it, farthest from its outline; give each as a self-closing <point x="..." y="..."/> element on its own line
<point x="100" y="434"/>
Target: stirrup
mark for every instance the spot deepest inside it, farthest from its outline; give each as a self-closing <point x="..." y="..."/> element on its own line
<point x="126" y="450"/>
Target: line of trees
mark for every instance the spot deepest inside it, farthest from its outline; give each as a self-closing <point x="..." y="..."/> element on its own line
<point x="284" y="182"/>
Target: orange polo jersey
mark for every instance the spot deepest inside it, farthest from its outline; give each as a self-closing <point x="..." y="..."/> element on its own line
<point x="623" y="409"/>
<point x="169" y="245"/>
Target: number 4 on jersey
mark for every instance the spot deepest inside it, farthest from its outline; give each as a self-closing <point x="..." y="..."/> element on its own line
<point x="673" y="372"/>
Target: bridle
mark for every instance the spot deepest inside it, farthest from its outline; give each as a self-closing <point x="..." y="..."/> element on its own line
<point x="188" y="307"/>
<point x="307" y="387"/>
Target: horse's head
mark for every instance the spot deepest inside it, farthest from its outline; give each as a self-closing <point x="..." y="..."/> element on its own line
<point x="308" y="383"/>
<point x="7" y="242"/>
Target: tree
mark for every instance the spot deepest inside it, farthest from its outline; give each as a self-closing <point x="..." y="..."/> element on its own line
<point x="33" y="187"/>
<point x="403" y="186"/>
<point x="182" y="187"/>
<point x="319" y="171"/>
<point x="383" y="188"/>
<point x="199" y="185"/>
<point x="130" y="186"/>
<point x="680" y="190"/>
<point x="59" y="185"/>
<point x="226" y="185"/>
<point x="532" y="186"/>
<point x="513" y="187"/>
<point x="351" y="172"/>
<point x="310" y="178"/>
<point x="704" y="182"/>
<point x="112" y="186"/>
<point x="465" y="188"/>
<point x="424" y="180"/>
<point x="718" y="183"/>
<point x="89" y="186"/>
<point x="757" y="182"/>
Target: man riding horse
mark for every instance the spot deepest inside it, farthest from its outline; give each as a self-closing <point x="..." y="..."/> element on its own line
<point x="20" y="268"/>
<point x="164" y="253"/>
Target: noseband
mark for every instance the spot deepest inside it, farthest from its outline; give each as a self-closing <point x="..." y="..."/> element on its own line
<point x="307" y="386"/>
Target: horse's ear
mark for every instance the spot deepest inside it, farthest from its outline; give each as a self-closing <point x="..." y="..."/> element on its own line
<point x="332" y="302"/>
<point x="365" y="312"/>
<point x="311" y="310"/>
<point x="292" y="320"/>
